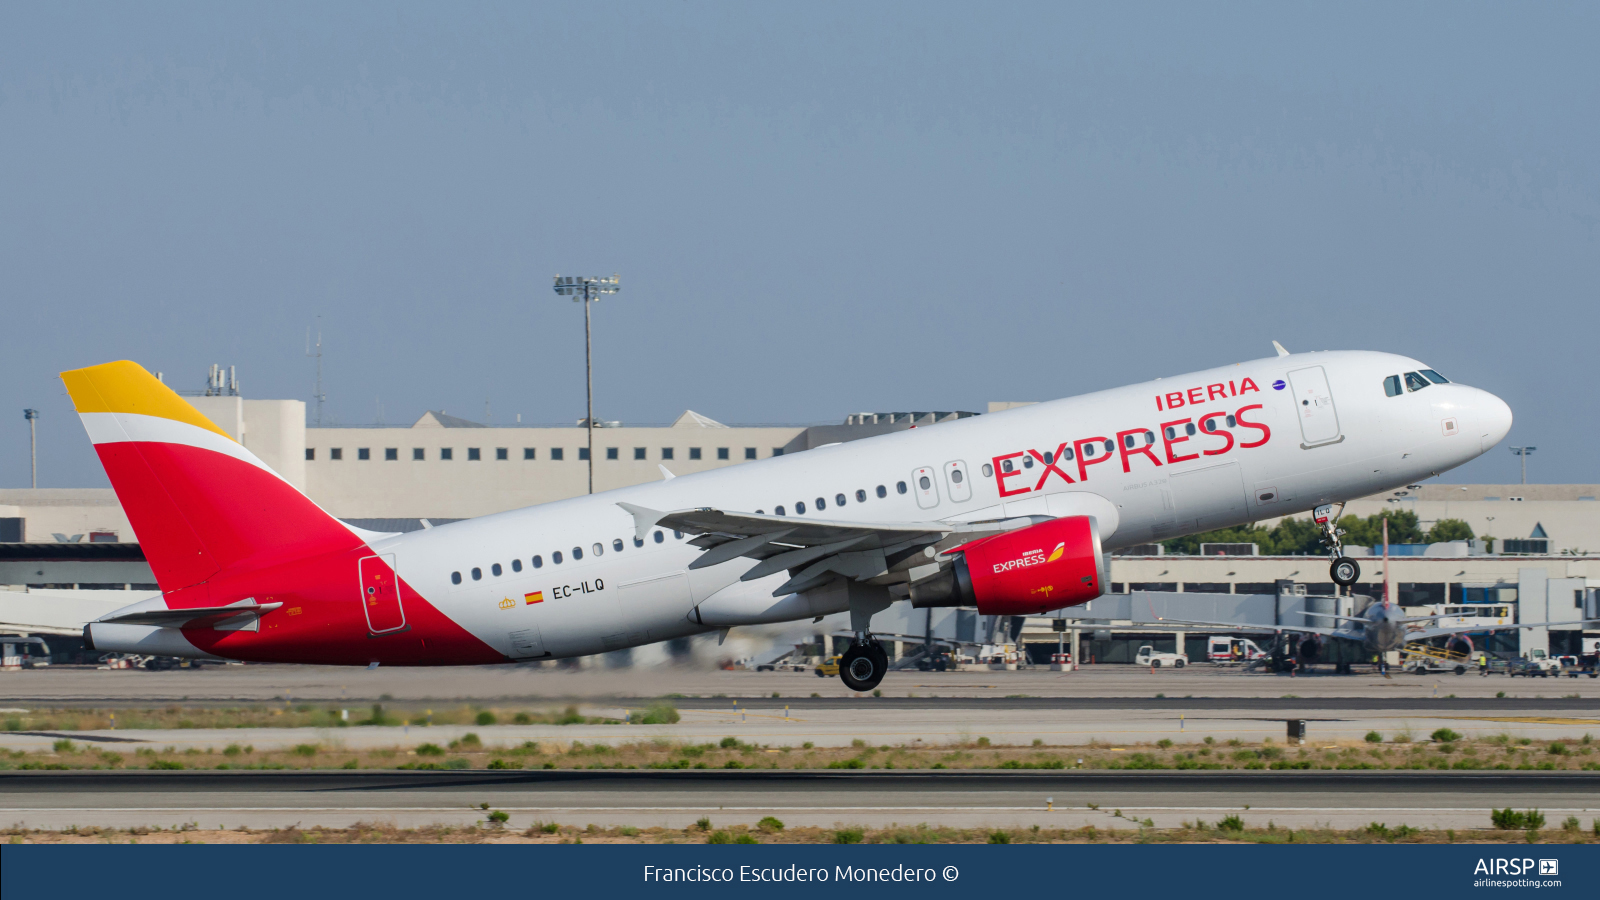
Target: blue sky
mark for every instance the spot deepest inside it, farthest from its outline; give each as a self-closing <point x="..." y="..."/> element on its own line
<point x="816" y="208"/>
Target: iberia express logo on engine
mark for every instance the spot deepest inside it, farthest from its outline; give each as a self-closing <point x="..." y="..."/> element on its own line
<point x="1031" y="558"/>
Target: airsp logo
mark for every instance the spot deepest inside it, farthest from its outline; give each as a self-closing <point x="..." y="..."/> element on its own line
<point x="1515" y="866"/>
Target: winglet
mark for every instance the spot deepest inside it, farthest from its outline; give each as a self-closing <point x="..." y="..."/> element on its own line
<point x="1279" y="347"/>
<point x="643" y="518"/>
<point x="665" y="475"/>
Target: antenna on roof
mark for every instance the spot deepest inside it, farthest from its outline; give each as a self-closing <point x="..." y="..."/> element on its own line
<point x="317" y="395"/>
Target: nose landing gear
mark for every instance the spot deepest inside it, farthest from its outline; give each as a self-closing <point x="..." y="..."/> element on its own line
<point x="1343" y="570"/>
<point x="862" y="667"/>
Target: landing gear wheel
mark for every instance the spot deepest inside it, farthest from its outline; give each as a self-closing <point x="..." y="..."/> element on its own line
<point x="862" y="667"/>
<point x="1345" y="571"/>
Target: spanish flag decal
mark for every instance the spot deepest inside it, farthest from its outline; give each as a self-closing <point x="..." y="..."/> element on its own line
<point x="1056" y="554"/>
<point x="535" y="597"/>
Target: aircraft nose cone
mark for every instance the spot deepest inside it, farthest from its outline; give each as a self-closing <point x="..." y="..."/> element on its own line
<point x="1494" y="418"/>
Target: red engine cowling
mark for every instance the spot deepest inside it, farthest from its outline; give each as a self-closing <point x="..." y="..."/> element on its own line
<point x="1024" y="572"/>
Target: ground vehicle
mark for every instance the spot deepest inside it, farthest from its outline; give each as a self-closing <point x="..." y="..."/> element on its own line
<point x="1540" y="666"/>
<point x="1232" y="650"/>
<point x="828" y="668"/>
<point x="1147" y="656"/>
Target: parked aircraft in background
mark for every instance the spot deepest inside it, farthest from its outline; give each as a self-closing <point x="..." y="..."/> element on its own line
<point x="1012" y="513"/>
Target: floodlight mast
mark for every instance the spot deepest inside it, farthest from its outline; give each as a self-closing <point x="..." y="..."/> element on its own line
<point x="1523" y="453"/>
<point x="587" y="290"/>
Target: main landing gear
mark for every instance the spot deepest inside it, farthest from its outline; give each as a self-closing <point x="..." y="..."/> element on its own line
<point x="862" y="667"/>
<point x="1343" y="570"/>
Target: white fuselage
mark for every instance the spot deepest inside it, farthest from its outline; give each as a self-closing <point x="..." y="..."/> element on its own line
<point x="1318" y="438"/>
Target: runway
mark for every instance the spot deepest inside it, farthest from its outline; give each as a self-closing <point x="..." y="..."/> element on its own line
<point x="1066" y="799"/>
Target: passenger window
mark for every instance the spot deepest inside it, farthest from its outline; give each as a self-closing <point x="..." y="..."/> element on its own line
<point x="924" y="483"/>
<point x="556" y="557"/>
<point x="538" y="561"/>
<point x="1127" y="441"/>
<point x="495" y="570"/>
<point x="1435" y="377"/>
<point x="1391" y="386"/>
<point x="1049" y="457"/>
<point x="1067" y="453"/>
<point x="1232" y="422"/>
<point x="1171" y="432"/>
<point x="861" y="496"/>
<point x="1027" y="462"/>
<point x="822" y="504"/>
<point x="678" y="535"/>
<point x="900" y="487"/>
<point x="1415" y="382"/>
<point x="1149" y="437"/>
<point x="455" y="577"/>
<point x="1005" y="466"/>
<point x="883" y="492"/>
<point x="1189" y="429"/>
<point x="761" y="512"/>
<point x="477" y="574"/>
<point x="577" y="553"/>
<point x="599" y="548"/>
<point x="988" y="470"/>
<point x="659" y="537"/>
<point x="617" y="545"/>
<point x="1088" y="450"/>
<point x="956" y="476"/>
<point x="800" y="507"/>
<point x="1110" y="446"/>
<point x="778" y="511"/>
<point x="516" y="565"/>
<point x="638" y="542"/>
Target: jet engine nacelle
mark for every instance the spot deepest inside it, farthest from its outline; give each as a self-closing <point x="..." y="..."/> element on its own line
<point x="1024" y="572"/>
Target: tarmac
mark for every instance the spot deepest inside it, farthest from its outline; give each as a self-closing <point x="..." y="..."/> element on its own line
<point x="1121" y="800"/>
<point x="1118" y="706"/>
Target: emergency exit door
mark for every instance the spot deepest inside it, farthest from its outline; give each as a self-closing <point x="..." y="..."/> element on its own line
<point x="1319" y="421"/>
<point x="380" y="594"/>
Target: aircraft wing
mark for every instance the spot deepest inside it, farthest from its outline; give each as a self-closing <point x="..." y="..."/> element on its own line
<point x="1264" y="629"/>
<point x="1342" y="618"/>
<point x="1428" y="633"/>
<point x="813" y="551"/>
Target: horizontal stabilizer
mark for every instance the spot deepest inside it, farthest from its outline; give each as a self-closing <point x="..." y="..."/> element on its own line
<point x="186" y="618"/>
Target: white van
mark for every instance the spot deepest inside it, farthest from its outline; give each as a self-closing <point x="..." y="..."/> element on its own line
<point x="1225" y="650"/>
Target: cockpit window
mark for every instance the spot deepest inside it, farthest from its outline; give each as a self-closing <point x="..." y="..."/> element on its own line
<point x="1435" y="377"/>
<point x="1415" y="382"/>
<point x="1391" y="386"/>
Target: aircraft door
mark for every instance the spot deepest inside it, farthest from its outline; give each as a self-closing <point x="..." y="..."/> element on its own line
<point x="1319" y="421"/>
<point x="922" y="485"/>
<point x="380" y="594"/>
<point x="957" y="482"/>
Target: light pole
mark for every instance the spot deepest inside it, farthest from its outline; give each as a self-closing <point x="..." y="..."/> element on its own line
<point x="1523" y="452"/>
<point x="587" y="290"/>
<point x="32" y="415"/>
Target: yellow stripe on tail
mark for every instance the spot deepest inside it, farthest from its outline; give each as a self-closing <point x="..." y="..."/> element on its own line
<point x="125" y="387"/>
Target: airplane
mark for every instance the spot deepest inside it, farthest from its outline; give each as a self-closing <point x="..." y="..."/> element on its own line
<point x="1382" y="627"/>
<point x="1013" y="513"/>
